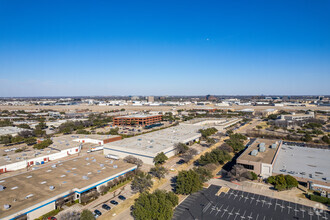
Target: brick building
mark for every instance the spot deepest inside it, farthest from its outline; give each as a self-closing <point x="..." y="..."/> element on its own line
<point x="137" y="120"/>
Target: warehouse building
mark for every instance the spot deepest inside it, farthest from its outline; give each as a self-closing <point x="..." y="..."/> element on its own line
<point x="293" y="116"/>
<point x="147" y="146"/>
<point x="9" y="130"/>
<point x="219" y="123"/>
<point x="141" y="120"/>
<point x="308" y="165"/>
<point x="32" y="194"/>
<point x="260" y="156"/>
<point x="62" y="146"/>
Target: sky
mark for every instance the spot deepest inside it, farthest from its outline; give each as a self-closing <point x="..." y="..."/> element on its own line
<point x="164" y="47"/>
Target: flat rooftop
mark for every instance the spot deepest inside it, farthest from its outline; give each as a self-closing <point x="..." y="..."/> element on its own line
<point x="11" y="130"/>
<point x="263" y="157"/>
<point x="157" y="141"/>
<point x="304" y="161"/>
<point x="59" y="143"/>
<point x="65" y="176"/>
<point x="137" y="116"/>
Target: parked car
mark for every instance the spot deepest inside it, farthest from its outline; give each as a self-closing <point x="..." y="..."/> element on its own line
<point x="97" y="212"/>
<point x="52" y="218"/>
<point x="114" y="202"/>
<point x="106" y="207"/>
<point x="122" y="197"/>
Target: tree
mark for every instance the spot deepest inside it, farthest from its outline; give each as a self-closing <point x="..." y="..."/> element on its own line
<point x="43" y="144"/>
<point x="282" y="182"/>
<point x="204" y="174"/>
<point x="158" y="171"/>
<point x="326" y="139"/>
<point x="158" y="205"/>
<point x="188" y="182"/>
<point x="254" y="176"/>
<point x="141" y="182"/>
<point x="291" y="182"/>
<point x="133" y="160"/>
<point x="215" y="156"/>
<point x="70" y="215"/>
<point x="236" y="141"/>
<point x="30" y="140"/>
<point x="160" y="158"/>
<point x="26" y="126"/>
<point x="307" y="138"/>
<point x="181" y="148"/>
<point x="87" y="215"/>
<point x="189" y="155"/>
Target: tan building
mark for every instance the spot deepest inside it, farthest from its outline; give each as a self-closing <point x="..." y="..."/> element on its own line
<point x="260" y="156"/>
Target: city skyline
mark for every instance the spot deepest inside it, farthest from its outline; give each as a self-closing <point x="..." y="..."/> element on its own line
<point x="164" y="48"/>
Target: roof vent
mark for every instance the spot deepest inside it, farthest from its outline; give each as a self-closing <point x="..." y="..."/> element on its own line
<point x="51" y="187"/>
<point x="254" y="152"/>
<point x="115" y="166"/>
<point x="85" y="177"/>
<point x="6" y="206"/>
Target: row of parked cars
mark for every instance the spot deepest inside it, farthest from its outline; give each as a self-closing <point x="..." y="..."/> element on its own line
<point x="106" y="207"/>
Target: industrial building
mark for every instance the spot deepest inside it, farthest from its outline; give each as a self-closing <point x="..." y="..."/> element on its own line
<point x="32" y="194"/>
<point x="147" y="146"/>
<point x="141" y="120"/>
<point x="219" y="123"/>
<point x="260" y="156"/>
<point x="62" y="146"/>
<point x="9" y="130"/>
<point x="295" y="116"/>
<point x="309" y="165"/>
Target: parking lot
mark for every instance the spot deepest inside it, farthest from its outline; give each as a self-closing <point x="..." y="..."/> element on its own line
<point x="102" y="210"/>
<point x="240" y="205"/>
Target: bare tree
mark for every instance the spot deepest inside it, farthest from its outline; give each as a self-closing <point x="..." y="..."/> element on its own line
<point x="133" y="160"/>
<point x="69" y="215"/>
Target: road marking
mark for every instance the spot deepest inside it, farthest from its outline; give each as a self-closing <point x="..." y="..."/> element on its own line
<point x="207" y="206"/>
<point x="224" y="211"/>
<point x="230" y="213"/>
<point x="257" y="216"/>
<point x="250" y="216"/>
<point x="257" y="201"/>
<point x="246" y="197"/>
<point x="242" y="217"/>
<point x="237" y="213"/>
<point x="252" y="198"/>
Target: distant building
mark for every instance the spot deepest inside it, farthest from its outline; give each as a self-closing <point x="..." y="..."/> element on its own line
<point x="11" y="130"/>
<point x="137" y="120"/>
<point x="297" y="117"/>
<point x="151" y="99"/>
<point x="211" y="98"/>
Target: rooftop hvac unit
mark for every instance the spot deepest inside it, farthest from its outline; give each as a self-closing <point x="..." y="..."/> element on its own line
<point x="85" y="177"/>
<point x="261" y="145"/>
<point x="273" y="146"/>
<point x="115" y="166"/>
<point x="262" y="148"/>
<point x="2" y="188"/>
<point x="51" y="187"/>
<point x="6" y="206"/>
<point x="254" y="152"/>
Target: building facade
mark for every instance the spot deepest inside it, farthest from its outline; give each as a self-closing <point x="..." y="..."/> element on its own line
<point x="141" y="120"/>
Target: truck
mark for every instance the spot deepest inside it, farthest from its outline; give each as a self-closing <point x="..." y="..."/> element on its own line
<point x="111" y="156"/>
<point x="95" y="149"/>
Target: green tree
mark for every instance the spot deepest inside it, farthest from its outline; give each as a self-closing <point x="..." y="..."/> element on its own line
<point x="26" y="126"/>
<point x="157" y="205"/>
<point x="86" y="215"/>
<point x="291" y="182"/>
<point x="326" y="139"/>
<point x="307" y="138"/>
<point x="254" y="176"/>
<point x="141" y="182"/>
<point x="43" y="144"/>
<point x="160" y="158"/>
<point x="188" y="182"/>
<point x="204" y="174"/>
